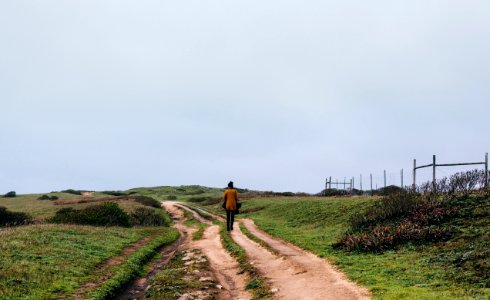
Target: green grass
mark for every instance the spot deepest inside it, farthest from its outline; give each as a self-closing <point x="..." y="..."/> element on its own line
<point x="257" y="283"/>
<point x="49" y="261"/>
<point x="411" y="272"/>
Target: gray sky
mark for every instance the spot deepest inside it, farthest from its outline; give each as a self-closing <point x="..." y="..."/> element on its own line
<point x="275" y="95"/>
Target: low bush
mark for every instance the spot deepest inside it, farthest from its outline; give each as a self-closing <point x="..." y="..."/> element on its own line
<point x="46" y="197"/>
<point x="10" y="194"/>
<point x="200" y="199"/>
<point x="171" y="197"/>
<point x="104" y="214"/>
<point x="10" y="218"/>
<point x="73" y="192"/>
<point x="389" y="190"/>
<point x="333" y="192"/>
<point x="389" y="208"/>
<point x="397" y="220"/>
<point x="206" y="200"/>
<point x="148" y="201"/>
<point x="145" y="216"/>
<point x="115" y="193"/>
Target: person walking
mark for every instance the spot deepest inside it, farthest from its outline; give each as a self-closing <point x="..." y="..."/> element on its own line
<point x="231" y="205"/>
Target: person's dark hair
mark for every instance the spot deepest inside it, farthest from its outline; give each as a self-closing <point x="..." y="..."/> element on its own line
<point x="230" y="184"/>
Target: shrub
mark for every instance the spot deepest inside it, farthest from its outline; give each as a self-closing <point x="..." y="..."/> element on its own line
<point x="396" y="220"/>
<point x="72" y="191"/>
<point x="171" y="197"/>
<point x="382" y="238"/>
<point x="115" y="193"/>
<point x="104" y="214"/>
<point x="10" y="194"/>
<point x="389" y="208"/>
<point x="333" y="192"/>
<point x="9" y="218"/>
<point x="145" y="216"/>
<point x="46" y="197"/>
<point x="199" y="199"/>
<point x="148" y="201"/>
<point x="206" y="200"/>
<point x="389" y="190"/>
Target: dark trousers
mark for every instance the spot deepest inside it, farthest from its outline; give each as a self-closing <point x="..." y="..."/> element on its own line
<point x="230" y="218"/>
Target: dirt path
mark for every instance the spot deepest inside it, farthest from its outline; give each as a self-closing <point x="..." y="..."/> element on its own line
<point x="294" y="273"/>
<point x="224" y="267"/>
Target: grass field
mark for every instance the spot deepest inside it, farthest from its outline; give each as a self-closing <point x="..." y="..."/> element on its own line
<point x="48" y="261"/>
<point x="51" y="261"/>
<point x="411" y="272"/>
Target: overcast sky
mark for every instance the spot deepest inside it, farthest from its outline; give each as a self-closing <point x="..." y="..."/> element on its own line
<point x="274" y="95"/>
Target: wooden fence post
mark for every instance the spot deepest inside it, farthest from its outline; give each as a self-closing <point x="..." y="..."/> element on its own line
<point x="414" y="185"/>
<point x="486" y="170"/>
<point x="371" y="177"/>
<point x="434" y="173"/>
<point x="401" y="176"/>
<point x="384" y="172"/>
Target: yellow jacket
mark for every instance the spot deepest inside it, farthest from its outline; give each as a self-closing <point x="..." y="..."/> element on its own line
<point x="231" y="198"/>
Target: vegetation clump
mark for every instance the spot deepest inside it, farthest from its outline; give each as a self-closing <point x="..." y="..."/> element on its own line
<point x="206" y="200"/>
<point x="171" y="197"/>
<point x="388" y="190"/>
<point x="333" y="192"/>
<point x="145" y="216"/>
<point x="10" y="218"/>
<point x="46" y="197"/>
<point x="104" y="214"/>
<point x="412" y="216"/>
<point x="115" y="193"/>
<point x="10" y="194"/>
<point x="73" y="192"/>
<point x="148" y="201"/>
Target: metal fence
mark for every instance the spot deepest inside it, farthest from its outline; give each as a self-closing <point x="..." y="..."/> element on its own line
<point x="434" y="165"/>
<point x="349" y="184"/>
